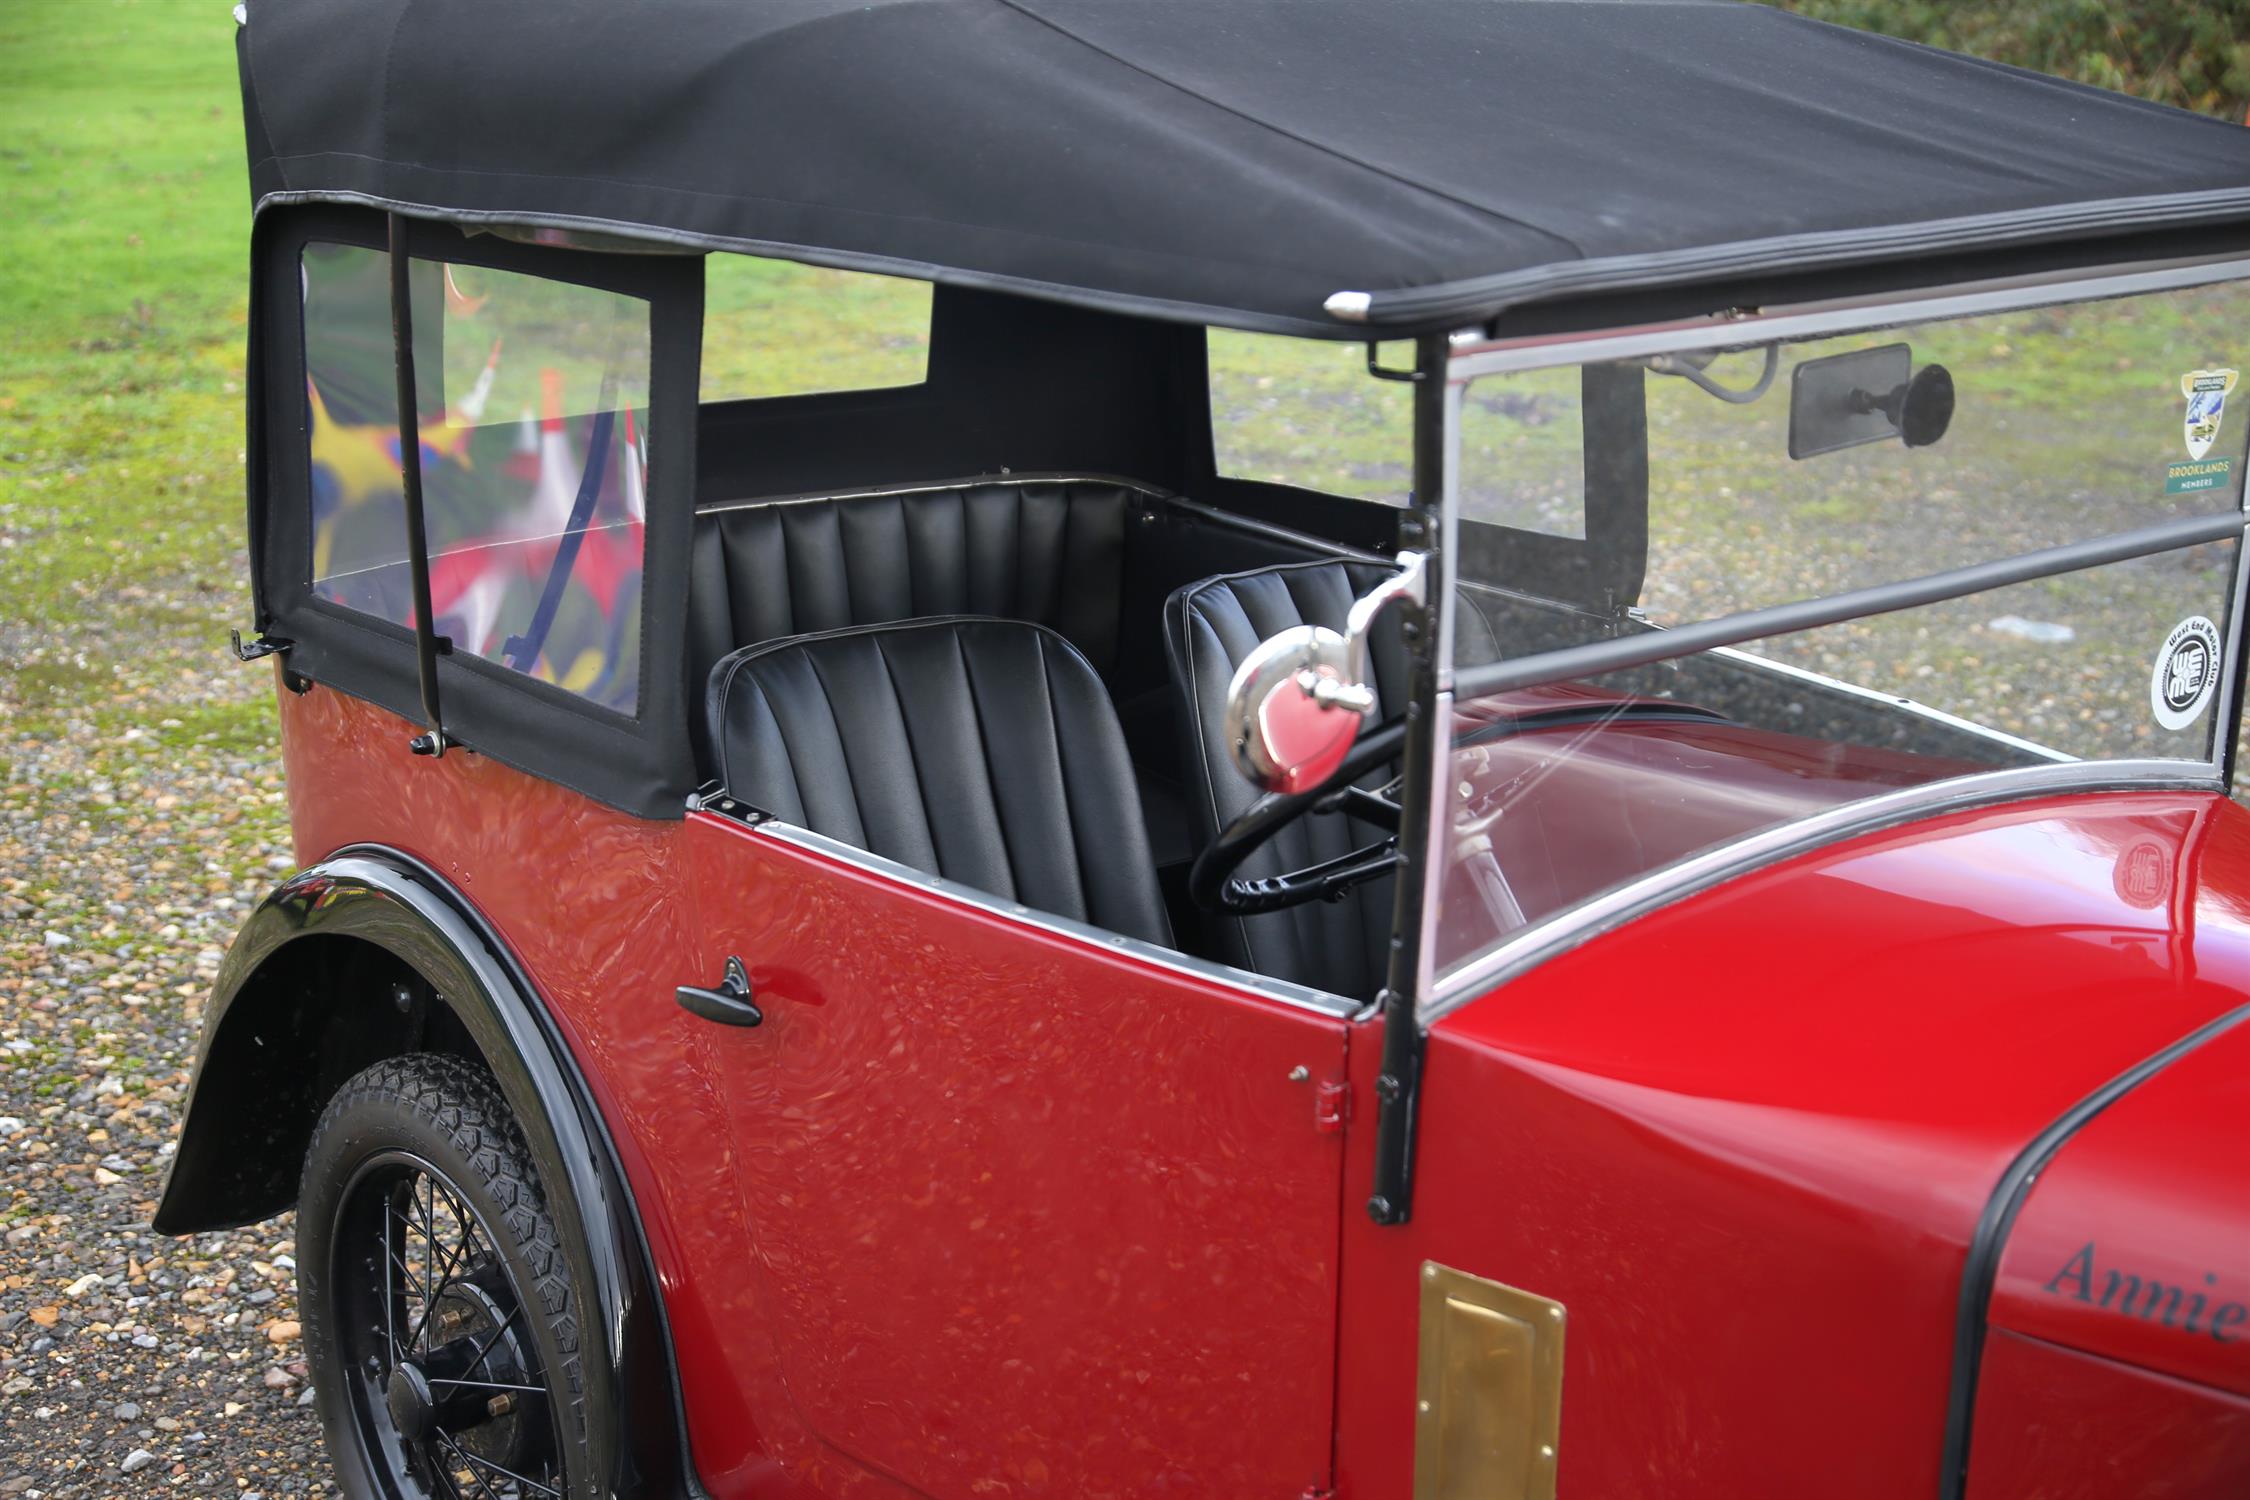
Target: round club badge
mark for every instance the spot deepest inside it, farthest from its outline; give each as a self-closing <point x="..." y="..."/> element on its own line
<point x="2187" y="673"/>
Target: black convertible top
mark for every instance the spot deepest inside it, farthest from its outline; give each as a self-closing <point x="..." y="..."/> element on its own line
<point x="1239" y="162"/>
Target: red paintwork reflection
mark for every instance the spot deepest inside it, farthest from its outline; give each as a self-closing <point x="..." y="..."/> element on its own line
<point x="2053" y="1424"/>
<point x="2133" y="1243"/>
<point x="1746" y="1138"/>
<point x="1565" y="812"/>
<point x="977" y="1211"/>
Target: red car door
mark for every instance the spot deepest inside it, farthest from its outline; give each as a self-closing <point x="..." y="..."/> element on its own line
<point x="1028" y="1213"/>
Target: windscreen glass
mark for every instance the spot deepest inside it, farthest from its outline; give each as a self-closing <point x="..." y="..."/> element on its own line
<point x="1740" y="477"/>
<point x="533" y="411"/>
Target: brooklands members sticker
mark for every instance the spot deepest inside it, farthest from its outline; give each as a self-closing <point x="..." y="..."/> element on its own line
<point x="2187" y="673"/>
<point x="2206" y="392"/>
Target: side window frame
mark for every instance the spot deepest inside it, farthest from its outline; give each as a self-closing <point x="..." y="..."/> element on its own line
<point x="1604" y="570"/>
<point x="640" y="763"/>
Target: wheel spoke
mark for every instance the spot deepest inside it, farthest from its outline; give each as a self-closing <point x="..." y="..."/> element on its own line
<point x="492" y="1338"/>
<point x="490" y="1385"/>
<point x="429" y="1303"/>
<point x="429" y="1247"/>
<point x="390" y="1313"/>
<point x="483" y="1464"/>
<point x="450" y="1470"/>
<point x="412" y="1284"/>
<point x="463" y="1255"/>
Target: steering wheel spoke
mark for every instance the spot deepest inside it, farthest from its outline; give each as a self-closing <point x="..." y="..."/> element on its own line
<point x="1213" y="883"/>
<point x="1359" y="802"/>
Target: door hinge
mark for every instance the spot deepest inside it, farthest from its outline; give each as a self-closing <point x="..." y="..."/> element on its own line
<point x="1332" y="1106"/>
<point x="264" y="645"/>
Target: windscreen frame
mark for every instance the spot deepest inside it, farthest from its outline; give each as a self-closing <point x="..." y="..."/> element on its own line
<point x="1473" y="356"/>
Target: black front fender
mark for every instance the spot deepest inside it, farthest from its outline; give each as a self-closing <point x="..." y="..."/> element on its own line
<point x="370" y="954"/>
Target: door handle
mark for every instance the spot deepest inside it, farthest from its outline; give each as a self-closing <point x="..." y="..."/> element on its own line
<point x="729" y="1004"/>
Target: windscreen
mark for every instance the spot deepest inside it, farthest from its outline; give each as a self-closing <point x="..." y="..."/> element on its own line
<point x="1827" y="468"/>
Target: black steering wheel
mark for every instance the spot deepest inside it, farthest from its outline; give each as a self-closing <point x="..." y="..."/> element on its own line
<point x="1213" y="885"/>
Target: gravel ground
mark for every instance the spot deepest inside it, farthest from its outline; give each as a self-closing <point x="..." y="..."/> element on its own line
<point x="134" y="833"/>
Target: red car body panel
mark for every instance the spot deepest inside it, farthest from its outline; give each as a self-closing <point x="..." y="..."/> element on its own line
<point x="2054" y="1424"/>
<point x="1746" y="1138"/>
<point x="974" y="1182"/>
<point x="970" y="1183"/>
<point x="1002" y="1184"/>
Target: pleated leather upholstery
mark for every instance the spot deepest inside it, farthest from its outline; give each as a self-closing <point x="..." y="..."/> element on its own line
<point x="982" y="750"/>
<point x="1049" y="551"/>
<point x="1209" y="627"/>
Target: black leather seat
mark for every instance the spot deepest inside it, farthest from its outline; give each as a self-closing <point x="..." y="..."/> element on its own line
<point x="1046" y="550"/>
<point x="982" y="750"/>
<point x="1209" y="627"/>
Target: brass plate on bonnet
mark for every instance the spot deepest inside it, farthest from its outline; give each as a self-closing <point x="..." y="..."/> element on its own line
<point x="1489" y="1395"/>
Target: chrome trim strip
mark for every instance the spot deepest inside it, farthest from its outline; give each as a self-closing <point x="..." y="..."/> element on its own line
<point x="1248" y="525"/>
<point x="1303" y="997"/>
<point x="1568" y="929"/>
<point x="934" y="488"/>
<point x="1437" y="843"/>
<point x="1851" y="316"/>
<point x="1449" y="541"/>
<point x="1892" y="701"/>
<point x="1252" y="526"/>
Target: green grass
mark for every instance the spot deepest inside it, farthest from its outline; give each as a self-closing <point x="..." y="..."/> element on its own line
<point x="122" y="271"/>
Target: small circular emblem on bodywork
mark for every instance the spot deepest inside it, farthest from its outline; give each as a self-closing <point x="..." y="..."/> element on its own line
<point x="2187" y="673"/>
<point x="2144" y="874"/>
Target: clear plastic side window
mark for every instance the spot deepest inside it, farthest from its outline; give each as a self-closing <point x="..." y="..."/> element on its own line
<point x="533" y="410"/>
<point x="776" y="328"/>
<point x="1303" y="412"/>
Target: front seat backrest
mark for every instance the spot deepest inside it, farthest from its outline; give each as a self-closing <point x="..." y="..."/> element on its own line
<point x="982" y="750"/>
<point x="1209" y="627"/>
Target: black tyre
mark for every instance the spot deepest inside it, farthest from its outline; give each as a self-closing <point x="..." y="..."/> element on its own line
<point x="441" y="1325"/>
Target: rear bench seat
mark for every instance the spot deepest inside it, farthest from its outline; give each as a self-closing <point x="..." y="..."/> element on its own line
<point x="1048" y="551"/>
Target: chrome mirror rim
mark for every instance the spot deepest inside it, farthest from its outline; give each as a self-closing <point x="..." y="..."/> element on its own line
<point x="1332" y="670"/>
<point x="1293" y="658"/>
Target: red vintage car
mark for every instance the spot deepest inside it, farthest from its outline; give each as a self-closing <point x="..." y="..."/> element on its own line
<point x="1450" y="749"/>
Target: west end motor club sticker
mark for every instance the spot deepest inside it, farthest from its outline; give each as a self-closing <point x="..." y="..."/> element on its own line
<point x="2187" y="673"/>
<point x="2206" y="392"/>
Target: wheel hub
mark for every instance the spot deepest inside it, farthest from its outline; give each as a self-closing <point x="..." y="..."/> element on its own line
<point x="407" y="1394"/>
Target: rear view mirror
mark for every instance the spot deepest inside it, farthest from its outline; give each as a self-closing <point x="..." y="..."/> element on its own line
<point x="1867" y="396"/>
<point x="1292" y="712"/>
<point x="1295" y="705"/>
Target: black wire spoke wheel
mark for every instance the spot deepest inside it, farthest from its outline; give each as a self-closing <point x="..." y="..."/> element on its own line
<point x="435" y="1349"/>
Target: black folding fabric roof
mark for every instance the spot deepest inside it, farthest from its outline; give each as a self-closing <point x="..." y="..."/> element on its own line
<point x="1231" y="161"/>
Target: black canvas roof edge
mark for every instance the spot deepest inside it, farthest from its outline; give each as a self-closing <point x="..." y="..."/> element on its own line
<point x="1241" y="163"/>
<point x="2096" y="226"/>
<point x="1571" y="297"/>
<point x="657" y="238"/>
